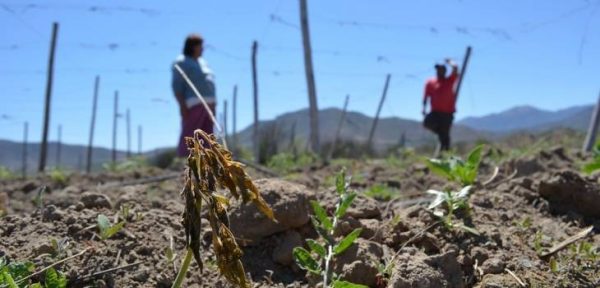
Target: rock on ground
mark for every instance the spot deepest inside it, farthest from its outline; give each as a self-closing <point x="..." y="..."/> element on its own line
<point x="567" y="191"/>
<point x="415" y="269"/>
<point x="290" y="203"/>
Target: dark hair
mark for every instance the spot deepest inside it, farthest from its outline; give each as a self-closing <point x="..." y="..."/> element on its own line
<point x="190" y="42"/>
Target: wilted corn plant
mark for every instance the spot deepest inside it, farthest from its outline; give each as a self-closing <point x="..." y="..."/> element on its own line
<point x="210" y="166"/>
<point x="325" y="227"/>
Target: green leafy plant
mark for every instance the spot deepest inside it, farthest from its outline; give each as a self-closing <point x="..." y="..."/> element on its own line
<point x="6" y="174"/>
<point x="594" y="164"/>
<point x="59" y="176"/>
<point x="107" y="229"/>
<point x="132" y="164"/>
<point x="288" y="162"/>
<point x="318" y="260"/>
<point x="17" y="275"/>
<point x="452" y="201"/>
<point x="382" y="192"/>
<point x="456" y="169"/>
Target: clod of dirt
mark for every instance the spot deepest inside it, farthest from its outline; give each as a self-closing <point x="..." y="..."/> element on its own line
<point x="420" y="270"/>
<point x="51" y="213"/>
<point x="290" y="204"/>
<point x="95" y="200"/>
<point x="282" y="253"/>
<point x="567" y="191"/>
<point x="364" y="207"/>
<point x="498" y="281"/>
<point x="368" y="254"/>
<point x="493" y="266"/>
<point x="525" y="166"/>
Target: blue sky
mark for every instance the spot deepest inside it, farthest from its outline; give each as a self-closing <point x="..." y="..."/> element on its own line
<point x="525" y="52"/>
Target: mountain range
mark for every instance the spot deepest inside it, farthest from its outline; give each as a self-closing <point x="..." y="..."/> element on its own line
<point x="293" y="127"/>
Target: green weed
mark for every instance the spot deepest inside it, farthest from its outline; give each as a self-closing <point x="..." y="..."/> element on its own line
<point x="107" y="229"/>
<point x="454" y="201"/>
<point x="382" y="192"/>
<point x="318" y="260"/>
<point x="457" y="170"/>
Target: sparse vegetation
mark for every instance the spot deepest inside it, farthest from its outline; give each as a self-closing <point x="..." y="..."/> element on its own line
<point x="319" y="260"/>
<point x="6" y="174"/>
<point x="107" y="229"/>
<point x="17" y="275"/>
<point x="457" y="170"/>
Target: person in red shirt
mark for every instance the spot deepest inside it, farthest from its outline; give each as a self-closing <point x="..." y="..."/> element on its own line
<point x="441" y="91"/>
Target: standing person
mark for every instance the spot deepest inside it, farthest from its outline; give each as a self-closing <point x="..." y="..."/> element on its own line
<point x="193" y="113"/>
<point x="441" y="90"/>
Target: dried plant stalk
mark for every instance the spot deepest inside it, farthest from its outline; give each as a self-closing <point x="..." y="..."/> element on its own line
<point x="210" y="166"/>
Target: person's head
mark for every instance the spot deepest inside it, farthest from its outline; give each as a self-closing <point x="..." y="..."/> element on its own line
<point x="440" y="70"/>
<point x="193" y="46"/>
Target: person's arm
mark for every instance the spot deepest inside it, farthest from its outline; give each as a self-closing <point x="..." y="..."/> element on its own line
<point x="454" y="74"/>
<point x="425" y="98"/>
<point x="178" y="86"/>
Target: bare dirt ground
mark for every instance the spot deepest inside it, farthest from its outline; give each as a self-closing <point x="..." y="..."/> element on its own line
<point x="519" y="215"/>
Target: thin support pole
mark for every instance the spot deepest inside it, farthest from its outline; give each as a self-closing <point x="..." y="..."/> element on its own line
<point x="463" y="70"/>
<point x="255" y="98"/>
<point x="88" y="164"/>
<point x="376" y="120"/>
<point x="339" y="128"/>
<point x="114" y="137"/>
<point x="590" y="137"/>
<point x="44" y="145"/>
<point x="310" y="79"/>
<point x="58" y="146"/>
<point x="25" y="136"/>
<point x="128" y="121"/>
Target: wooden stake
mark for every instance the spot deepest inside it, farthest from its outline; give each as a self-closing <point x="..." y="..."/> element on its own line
<point x="376" y="120"/>
<point x="590" y="138"/>
<point x="25" y="135"/>
<point x="225" y="119"/>
<point x="310" y="79"/>
<point x="44" y="145"/>
<point x="339" y="128"/>
<point x="255" y="94"/>
<point x="58" y="146"/>
<point x="139" y="139"/>
<point x="463" y="70"/>
<point x="88" y="165"/>
<point x="128" y="121"/>
<point x="235" y="139"/>
<point x="114" y="138"/>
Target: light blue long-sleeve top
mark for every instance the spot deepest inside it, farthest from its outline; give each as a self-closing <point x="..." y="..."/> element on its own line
<point x="201" y="76"/>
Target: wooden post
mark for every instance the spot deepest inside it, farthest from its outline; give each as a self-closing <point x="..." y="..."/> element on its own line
<point x="590" y="138"/>
<point x="463" y="70"/>
<point x="292" y="146"/>
<point x="79" y="161"/>
<point x="139" y="139"/>
<point x="58" y="146"/>
<point x="88" y="165"/>
<point x="114" y="138"/>
<point x="376" y="120"/>
<point x="255" y="94"/>
<point x="44" y="144"/>
<point x="25" y="135"/>
<point x="310" y="79"/>
<point x="339" y="128"/>
<point x="225" y="119"/>
<point x="235" y="139"/>
<point x="128" y="121"/>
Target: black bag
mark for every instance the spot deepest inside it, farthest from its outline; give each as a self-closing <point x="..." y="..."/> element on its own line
<point x="430" y="121"/>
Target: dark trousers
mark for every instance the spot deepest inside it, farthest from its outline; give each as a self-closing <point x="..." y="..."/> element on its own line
<point x="440" y="123"/>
